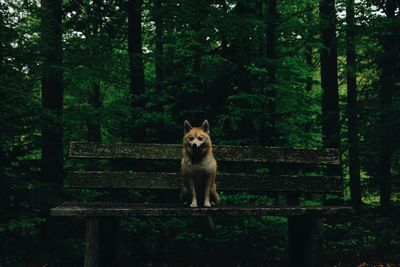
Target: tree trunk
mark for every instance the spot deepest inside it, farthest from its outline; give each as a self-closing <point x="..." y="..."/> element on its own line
<point x="386" y="94"/>
<point x="169" y="39"/>
<point x="136" y="69"/>
<point x="329" y="83"/>
<point x="52" y="103"/>
<point x="271" y="70"/>
<point x="309" y="81"/>
<point x="52" y="91"/>
<point x="2" y="139"/>
<point x="224" y="39"/>
<point x="241" y="45"/>
<point x="308" y="47"/>
<point x="93" y="125"/>
<point x="94" y="98"/>
<point x="158" y="21"/>
<point x="2" y="45"/>
<point x="352" y="112"/>
<point x="329" y="76"/>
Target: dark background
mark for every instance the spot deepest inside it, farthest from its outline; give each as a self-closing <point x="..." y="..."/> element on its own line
<point x="278" y="73"/>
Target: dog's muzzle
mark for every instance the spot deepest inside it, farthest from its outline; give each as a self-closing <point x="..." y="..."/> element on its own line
<point x="196" y="146"/>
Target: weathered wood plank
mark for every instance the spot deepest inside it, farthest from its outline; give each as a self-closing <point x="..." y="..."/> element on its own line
<point x="155" y="210"/>
<point x="227" y="182"/>
<point x="223" y="153"/>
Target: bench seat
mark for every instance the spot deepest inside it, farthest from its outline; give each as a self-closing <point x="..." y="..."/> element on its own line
<point x="100" y="209"/>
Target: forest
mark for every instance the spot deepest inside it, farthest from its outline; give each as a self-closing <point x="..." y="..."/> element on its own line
<point x="305" y="73"/>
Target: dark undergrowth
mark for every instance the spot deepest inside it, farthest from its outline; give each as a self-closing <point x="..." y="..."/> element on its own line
<point x="365" y="240"/>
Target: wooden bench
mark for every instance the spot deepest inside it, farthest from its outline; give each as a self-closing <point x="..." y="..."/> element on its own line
<point x="304" y="226"/>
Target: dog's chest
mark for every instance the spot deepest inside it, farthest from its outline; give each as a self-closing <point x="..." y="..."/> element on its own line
<point x="203" y="168"/>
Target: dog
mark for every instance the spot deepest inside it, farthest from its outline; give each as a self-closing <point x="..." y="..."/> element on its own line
<point x="198" y="166"/>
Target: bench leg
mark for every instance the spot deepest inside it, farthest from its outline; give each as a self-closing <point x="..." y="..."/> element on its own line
<point x="92" y="242"/>
<point x="305" y="241"/>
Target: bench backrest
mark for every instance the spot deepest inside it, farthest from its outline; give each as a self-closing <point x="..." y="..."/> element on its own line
<point x="226" y="181"/>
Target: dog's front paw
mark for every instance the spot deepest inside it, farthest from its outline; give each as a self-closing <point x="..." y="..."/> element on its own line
<point x="193" y="205"/>
<point x="207" y="204"/>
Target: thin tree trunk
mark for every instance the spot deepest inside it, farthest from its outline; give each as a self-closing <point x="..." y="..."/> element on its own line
<point x="308" y="52"/>
<point x="308" y="47"/>
<point x="240" y="46"/>
<point x="224" y="39"/>
<point x="2" y="45"/>
<point x="169" y="49"/>
<point x="94" y="97"/>
<point x="136" y="68"/>
<point x="52" y="91"/>
<point x="93" y="125"/>
<point x="4" y="188"/>
<point x="352" y="113"/>
<point x="159" y="44"/>
<point x="271" y="69"/>
<point x="386" y="94"/>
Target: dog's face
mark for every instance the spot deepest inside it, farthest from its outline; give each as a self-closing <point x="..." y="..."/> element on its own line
<point x="196" y="140"/>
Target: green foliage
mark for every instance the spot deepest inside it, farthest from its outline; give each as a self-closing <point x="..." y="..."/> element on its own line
<point x="26" y="227"/>
<point x="362" y="237"/>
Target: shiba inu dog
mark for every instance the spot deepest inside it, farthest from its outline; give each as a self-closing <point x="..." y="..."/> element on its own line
<point x="198" y="166"/>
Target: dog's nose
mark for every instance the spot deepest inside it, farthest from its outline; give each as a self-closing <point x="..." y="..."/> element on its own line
<point x="194" y="145"/>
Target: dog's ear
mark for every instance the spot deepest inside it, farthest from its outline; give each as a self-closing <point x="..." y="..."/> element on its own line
<point x="187" y="127"/>
<point x="205" y="126"/>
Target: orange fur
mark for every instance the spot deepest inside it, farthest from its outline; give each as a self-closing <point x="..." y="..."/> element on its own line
<point x="198" y="165"/>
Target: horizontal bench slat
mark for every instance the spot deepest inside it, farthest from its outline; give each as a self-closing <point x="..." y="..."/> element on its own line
<point x="125" y="209"/>
<point x="228" y="182"/>
<point x="223" y="153"/>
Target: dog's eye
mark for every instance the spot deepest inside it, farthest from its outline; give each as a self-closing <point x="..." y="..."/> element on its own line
<point x="191" y="138"/>
<point x="200" y="138"/>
